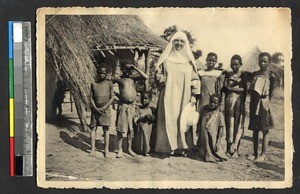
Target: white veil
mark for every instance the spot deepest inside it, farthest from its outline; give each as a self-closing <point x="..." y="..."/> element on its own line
<point x="182" y="56"/>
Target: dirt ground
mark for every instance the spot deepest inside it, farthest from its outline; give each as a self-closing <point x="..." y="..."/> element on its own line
<point x="67" y="152"/>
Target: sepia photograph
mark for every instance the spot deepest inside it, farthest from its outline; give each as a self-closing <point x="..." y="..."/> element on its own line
<point x="164" y="97"/>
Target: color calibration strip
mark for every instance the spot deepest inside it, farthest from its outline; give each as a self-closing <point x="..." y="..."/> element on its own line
<point x="20" y="99"/>
<point x="11" y="100"/>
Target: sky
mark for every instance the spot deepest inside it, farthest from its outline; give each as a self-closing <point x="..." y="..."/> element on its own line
<point x="227" y="31"/>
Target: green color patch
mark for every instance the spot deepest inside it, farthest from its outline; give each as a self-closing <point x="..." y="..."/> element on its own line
<point x="11" y="78"/>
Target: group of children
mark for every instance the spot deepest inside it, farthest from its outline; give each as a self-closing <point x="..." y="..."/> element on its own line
<point x="130" y="116"/>
<point x="136" y="121"/>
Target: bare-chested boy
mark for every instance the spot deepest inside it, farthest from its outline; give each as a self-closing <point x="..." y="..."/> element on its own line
<point x="127" y="98"/>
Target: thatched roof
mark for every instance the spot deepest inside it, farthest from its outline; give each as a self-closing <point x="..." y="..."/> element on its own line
<point x="121" y="31"/>
<point x="250" y="60"/>
<point x="111" y="31"/>
<point x="70" y="40"/>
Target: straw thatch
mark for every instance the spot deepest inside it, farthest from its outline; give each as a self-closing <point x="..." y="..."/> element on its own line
<point x="250" y="60"/>
<point x="70" y="40"/>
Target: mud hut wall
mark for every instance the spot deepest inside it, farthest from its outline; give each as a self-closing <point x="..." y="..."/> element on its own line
<point x="51" y="78"/>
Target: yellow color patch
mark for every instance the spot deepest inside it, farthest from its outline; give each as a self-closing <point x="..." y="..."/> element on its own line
<point x="11" y="118"/>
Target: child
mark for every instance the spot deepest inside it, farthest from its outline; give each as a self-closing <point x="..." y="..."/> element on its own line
<point x="210" y="130"/>
<point x="127" y="98"/>
<point x="210" y="80"/>
<point x="102" y="96"/>
<point x="58" y="98"/>
<point x="260" y="91"/>
<point x="144" y="123"/>
<point x="235" y="87"/>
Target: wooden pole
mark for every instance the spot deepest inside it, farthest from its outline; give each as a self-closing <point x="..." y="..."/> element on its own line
<point x="81" y="115"/>
<point x="147" y="64"/>
<point x="71" y="101"/>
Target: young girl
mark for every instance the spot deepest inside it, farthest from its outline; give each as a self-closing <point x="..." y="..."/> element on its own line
<point x="210" y="80"/>
<point x="102" y="96"/>
<point x="235" y="87"/>
<point x="144" y="122"/>
<point x="260" y="115"/>
<point x="211" y="130"/>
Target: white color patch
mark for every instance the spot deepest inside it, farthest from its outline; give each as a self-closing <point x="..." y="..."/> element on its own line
<point x="17" y="31"/>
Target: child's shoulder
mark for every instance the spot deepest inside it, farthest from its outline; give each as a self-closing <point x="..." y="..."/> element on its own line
<point x="146" y="108"/>
<point x="244" y="75"/>
<point x="211" y="73"/>
<point x="272" y="72"/>
<point x="108" y="82"/>
<point x="153" y="109"/>
<point x="93" y="83"/>
<point x="123" y="77"/>
<point x="265" y="74"/>
<point x="228" y="74"/>
<point x="205" y="109"/>
<point x="220" y="114"/>
<point x="104" y="82"/>
<point x="257" y="73"/>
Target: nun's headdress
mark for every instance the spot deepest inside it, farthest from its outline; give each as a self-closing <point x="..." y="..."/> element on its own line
<point x="177" y="56"/>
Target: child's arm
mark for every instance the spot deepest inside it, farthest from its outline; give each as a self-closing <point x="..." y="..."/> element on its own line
<point x="237" y="90"/>
<point x="111" y="100"/>
<point x="150" y="118"/>
<point x="93" y="104"/>
<point x="143" y="75"/>
<point x="160" y="77"/>
<point x="244" y="81"/>
<point x="239" y="83"/>
<point x="116" y="79"/>
<point x="195" y="85"/>
<point x="248" y="79"/>
<point x="221" y="132"/>
<point x="142" y="119"/>
<point x="225" y="87"/>
<point x="272" y="82"/>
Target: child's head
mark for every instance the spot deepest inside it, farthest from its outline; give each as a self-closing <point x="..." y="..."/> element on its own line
<point x="211" y="60"/>
<point x="264" y="60"/>
<point x="278" y="58"/>
<point x="236" y="63"/>
<point x="197" y="54"/>
<point x="102" y="70"/>
<point x="214" y="101"/>
<point x="126" y="65"/>
<point x="146" y="97"/>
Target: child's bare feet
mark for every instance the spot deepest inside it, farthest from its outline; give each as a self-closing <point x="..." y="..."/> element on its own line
<point x="131" y="153"/>
<point x="228" y="154"/>
<point x="261" y="158"/>
<point x="235" y="155"/>
<point x="252" y="157"/>
<point x="92" y="153"/>
<point x="119" y="154"/>
<point x="232" y="149"/>
<point x="106" y="153"/>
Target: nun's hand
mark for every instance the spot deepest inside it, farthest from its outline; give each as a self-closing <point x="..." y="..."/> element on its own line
<point x="193" y="99"/>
